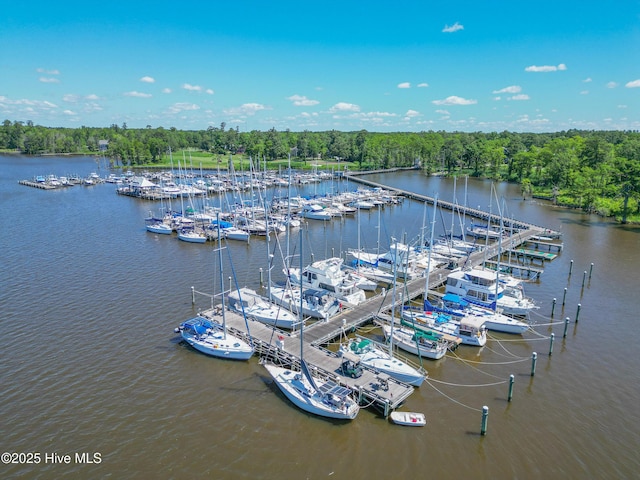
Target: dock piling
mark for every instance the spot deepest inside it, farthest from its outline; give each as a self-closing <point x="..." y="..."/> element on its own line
<point x="564" y="296"/>
<point x="511" y="380"/>
<point x="485" y="416"/>
<point x="584" y="277"/>
<point x="578" y="312"/>
<point x="570" y="267"/>
<point x="193" y="296"/>
<point x="566" y="325"/>
<point x="553" y="306"/>
<point x="551" y="343"/>
<point x="590" y="270"/>
<point x="261" y="282"/>
<point x="534" y="359"/>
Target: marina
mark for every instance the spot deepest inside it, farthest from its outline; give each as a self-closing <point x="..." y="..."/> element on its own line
<point x="109" y="362"/>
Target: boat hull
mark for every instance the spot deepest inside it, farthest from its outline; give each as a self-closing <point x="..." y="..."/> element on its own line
<point x="294" y="387"/>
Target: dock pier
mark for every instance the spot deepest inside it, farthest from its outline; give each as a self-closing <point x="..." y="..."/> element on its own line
<point x="375" y="388"/>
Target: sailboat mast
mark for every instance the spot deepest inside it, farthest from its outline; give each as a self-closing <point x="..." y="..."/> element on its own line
<point x="224" y="320"/>
<point x="433" y="227"/>
<point x="300" y="315"/>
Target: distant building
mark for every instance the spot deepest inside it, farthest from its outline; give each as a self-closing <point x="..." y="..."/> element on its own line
<point x="103" y="145"/>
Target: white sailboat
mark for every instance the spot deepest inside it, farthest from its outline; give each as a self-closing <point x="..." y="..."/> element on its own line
<point x="375" y="356"/>
<point x="314" y="395"/>
<point x="212" y="338"/>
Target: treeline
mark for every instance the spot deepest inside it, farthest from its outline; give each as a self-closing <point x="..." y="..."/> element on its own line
<point x="598" y="171"/>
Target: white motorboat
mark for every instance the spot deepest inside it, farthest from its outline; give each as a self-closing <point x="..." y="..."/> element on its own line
<point x="328" y="275"/>
<point x="481" y="287"/>
<point x="408" y="419"/>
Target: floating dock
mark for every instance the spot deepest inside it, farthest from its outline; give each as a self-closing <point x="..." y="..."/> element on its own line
<point x="374" y="388"/>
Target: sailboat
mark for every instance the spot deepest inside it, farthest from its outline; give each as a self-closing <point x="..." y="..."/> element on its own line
<point x="253" y="305"/>
<point x="212" y="338"/>
<point x="375" y="356"/>
<point x="318" y="396"/>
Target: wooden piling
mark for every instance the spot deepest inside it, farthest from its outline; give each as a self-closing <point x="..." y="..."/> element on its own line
<point x="534" y="359"/>
<point x="511" y="380"/>
<point x="485" y="416"/>
<point x="566" y="325"/>
<point x="551" y="343"/>
<point x="578" y="312"/>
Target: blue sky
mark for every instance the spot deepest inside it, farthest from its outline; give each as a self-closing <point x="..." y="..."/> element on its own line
<point x="526" y="66"/>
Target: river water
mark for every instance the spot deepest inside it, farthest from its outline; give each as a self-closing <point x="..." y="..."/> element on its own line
<point x="91" y="367"/>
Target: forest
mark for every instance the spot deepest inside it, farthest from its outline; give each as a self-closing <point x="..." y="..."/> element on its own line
<point x="596" y="171"/>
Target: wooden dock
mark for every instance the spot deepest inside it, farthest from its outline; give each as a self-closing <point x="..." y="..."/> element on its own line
<point x="374" y="388"/>
<point x="473" y="212"/>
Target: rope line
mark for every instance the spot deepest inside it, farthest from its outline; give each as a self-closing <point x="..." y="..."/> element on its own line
<point x="452" y="399"/>
<point x="467" y="385"/>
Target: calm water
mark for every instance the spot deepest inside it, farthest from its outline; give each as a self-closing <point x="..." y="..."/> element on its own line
<point x="90" y="363"/>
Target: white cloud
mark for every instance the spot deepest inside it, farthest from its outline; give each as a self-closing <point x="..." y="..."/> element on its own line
<point x="245" y="109"/>
<point x="147" y="79"/>
<point x="584" y="92"/>
<point x="137" y="94"/>
<point x="422" y="85"/>
<point x="443" y="112"/>
<point x="509" y="89"/>
<point x="166" y="90"/>
<point x="302" y="101"/>
<point x="612" y="85"/>
<point x="49" y="80"/>
<point x="73" y="98"/>
<point x="404" y="85"/>
<point x="68" y="112"/>
<point x="454" y="100"/>
<point x="453" y="28"/>
<point x="521" y="96"/>
<point x="209" y="91"/>
<point x="344" y="107"/>
<point x="587" y="80"/>
<point x="48" y="72"/>
<point x="411" y="114"/>
<point x="183" y="107"/>
<point x="545" y="68"/>
<point x="192" y="88"/>
<point x="497" y="98"/>
<point x="633" y="84"/>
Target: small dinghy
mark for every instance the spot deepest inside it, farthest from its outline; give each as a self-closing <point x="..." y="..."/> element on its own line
<point x="410" y="419"/>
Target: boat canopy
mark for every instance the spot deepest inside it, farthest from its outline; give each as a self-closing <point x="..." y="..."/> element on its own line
<point x="453" y="298"/>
